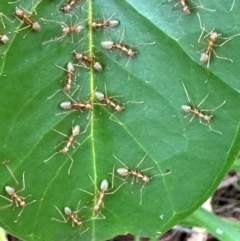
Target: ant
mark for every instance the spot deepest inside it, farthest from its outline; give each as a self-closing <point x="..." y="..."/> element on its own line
<point x="15" y="198"/>
<point x="68" y="6"/>
<point x="69" y="142"/>
<point x="90" y="61"/>
<point x="108" y="23"/>
<point x="126" y="171"/>
<point x="77" y="28"/>
<point x="104" y="190"/>
<point x="77" y="105"/>
<point x="109" y="101"/>
<point x="71" y="215"/>
<point x="19" y="13"/>
<point x="68" y="79"/>
<point x="196" y="111"/>
<point x="213" y="36"/>
<point x="186" y="8"/>
<point x="108" y="44"/>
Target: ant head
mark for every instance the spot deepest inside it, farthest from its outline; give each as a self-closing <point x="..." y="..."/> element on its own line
<point x="78" y="56"/>
<point x="22" y="203"/>
<point x="119" y="108"/>
<point x="66" y="8"/>
<point x="66" y="87"/>
<point x="208" y="117"/>
<point x="214" y="35"/>
<point x="146" y="179"/>
<point x="131" y="53"/>
<point x="19" y="11"/>
<point x="94" y="25"/>
<point x="186" y="10"/>
<point x="88" y="106"/>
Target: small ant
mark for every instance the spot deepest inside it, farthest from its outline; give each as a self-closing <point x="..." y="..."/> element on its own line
<point x="77" y="105"/>
<point x="196" y="111"/>
<point x="15" y="198"/>
<point x="126" y="171"/>
<point x="108" y="44"/>
<point x="68" y="79"/>
<point x="186" y="8"/>
<point x="71" y="215"/>
<point x="67" y="7"/>
<point x="213" y="36"/>
<point x="103" y="191"/>
<point x="90" y="61"/>
<point x="19" y="13"/>
<point x="77" y="28"/>
<point x="109" y="101"/>
<point x="69" y="142"/>
<point x="108" y="23"/>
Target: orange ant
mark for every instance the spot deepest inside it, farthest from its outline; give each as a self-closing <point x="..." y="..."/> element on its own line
<point x="71" y="215"/>
<point x="77" y="105"/>
<point x="196" y="111"/>
<point x="213" y="36"/>
<point x="15" y="198"/>
<point x="19" y="13"/>
<point x="109" y="101"/>
<point x="108" y="23"/>
<point x="69" y="142"/>
<point x="104" y="190"/>
<point x="126" y="171"/>
<point x="67" y="7"/>
<point x="68" y="79"/>
<point x="186" y="8"/>
<point x="108" y="44"/>
<point x="77" y="28"/>
<point x="90" y="61"/>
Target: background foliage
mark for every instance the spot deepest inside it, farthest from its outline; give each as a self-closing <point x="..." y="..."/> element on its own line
<point x="197" y="157"/>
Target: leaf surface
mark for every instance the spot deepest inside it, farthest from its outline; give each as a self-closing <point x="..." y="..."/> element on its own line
<point x="197" y="157"/>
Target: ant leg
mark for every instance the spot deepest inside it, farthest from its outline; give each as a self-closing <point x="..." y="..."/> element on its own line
<point x="185" y="89"/>
<point x="65" y="220"/>
<point x="219" y="57"/>
<point x="87" y="125"/>
<point x="23" y="183"/>
<point x="212" y="110"/>
<point x="141" y="161"/>
<point x="51" y="156"/>
<point x="70" y="167"/>
<point x="203" y="100"/>
<point x="60" y="134"/>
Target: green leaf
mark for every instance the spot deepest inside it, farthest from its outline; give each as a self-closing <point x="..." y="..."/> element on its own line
<point x="223" y="229"/>
<point x="197" y="157"/>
